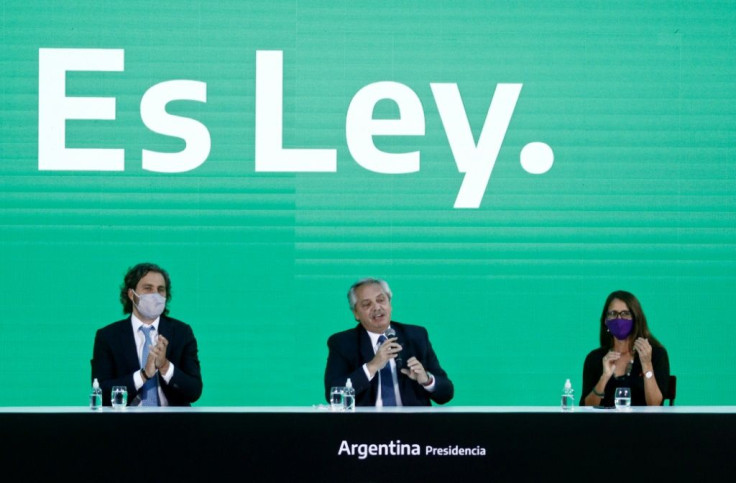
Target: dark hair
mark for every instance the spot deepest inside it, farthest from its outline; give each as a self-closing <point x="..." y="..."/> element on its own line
<point x="640" y="329"/>
<point x="134" y="275"/>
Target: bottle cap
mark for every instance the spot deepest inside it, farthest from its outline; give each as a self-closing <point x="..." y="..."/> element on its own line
<point x="95" y="384"/>
<point x="568" y="384"/>
<point x="349" y="383"/>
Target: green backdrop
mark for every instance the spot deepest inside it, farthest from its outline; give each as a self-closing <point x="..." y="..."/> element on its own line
<point x="637" y="101"/>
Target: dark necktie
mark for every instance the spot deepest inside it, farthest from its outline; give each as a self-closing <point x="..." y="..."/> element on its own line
<point x="149" y="391"/>
<point x="388" y="396"/>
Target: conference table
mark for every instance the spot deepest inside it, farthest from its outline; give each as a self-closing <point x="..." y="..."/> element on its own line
<point x="371" y="444"/>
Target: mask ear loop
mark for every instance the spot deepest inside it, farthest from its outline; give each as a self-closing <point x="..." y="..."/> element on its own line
<point x="139" y="301"/>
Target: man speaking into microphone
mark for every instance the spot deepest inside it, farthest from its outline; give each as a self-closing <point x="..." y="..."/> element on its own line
<point x="388" y="363"/>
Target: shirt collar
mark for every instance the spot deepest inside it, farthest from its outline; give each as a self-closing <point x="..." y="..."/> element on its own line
<point x="374" y="339"/>
<point x="137" y="323"/>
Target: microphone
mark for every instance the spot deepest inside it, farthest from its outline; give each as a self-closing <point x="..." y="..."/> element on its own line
<point x="391" y="333"/>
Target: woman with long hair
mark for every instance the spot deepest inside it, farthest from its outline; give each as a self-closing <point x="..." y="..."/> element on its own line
<point x="628" y="356"/>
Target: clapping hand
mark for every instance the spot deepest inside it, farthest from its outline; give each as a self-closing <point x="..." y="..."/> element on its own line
<point x="159" y="353"/>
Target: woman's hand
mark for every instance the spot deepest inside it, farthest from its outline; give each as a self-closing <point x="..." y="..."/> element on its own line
<point x="644" y="349"/>
<point x="609" y="363"/>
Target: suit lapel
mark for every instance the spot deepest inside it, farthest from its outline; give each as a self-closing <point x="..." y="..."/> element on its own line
<point x="366" y="354"/>
<point x="407" y="350"/>
<point x="131" y="349"/>
<point x="404" y="381"/>
<point x="366" y="348"/>
<point x="164" y="327"/>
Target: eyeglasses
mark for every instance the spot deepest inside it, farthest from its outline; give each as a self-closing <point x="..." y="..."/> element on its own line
<point x="614" y="314"/>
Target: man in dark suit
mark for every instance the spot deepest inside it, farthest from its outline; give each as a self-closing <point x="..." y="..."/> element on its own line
<point x="365" y="353"/>
<point x="152" y="354"/>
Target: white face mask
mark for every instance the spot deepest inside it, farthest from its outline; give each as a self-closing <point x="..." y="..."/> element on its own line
<point x="150" y="305"/>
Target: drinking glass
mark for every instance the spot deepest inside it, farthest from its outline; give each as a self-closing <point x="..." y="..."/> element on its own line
<point x="337" y="402"/>
<point x="622" y="399"/>
<point x="119" y="397"/>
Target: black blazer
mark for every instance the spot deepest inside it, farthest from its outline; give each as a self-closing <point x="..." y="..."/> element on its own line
<point x="115" y="360"/>
<point x="350" y="349"/>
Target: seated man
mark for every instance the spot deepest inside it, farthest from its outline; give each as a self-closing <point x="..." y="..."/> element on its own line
<point x="152" y="354"/>
<point x="388" y="363"/>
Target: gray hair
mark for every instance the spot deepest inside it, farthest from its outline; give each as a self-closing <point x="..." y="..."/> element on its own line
<point x="353" y="298"/>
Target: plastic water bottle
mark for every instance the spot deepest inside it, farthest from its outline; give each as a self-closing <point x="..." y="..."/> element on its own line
<point x="568" y="398"/>
<point x="349" y="396"/>
<point x="95" y="397"/>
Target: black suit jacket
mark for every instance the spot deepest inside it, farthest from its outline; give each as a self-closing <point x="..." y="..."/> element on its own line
<point x="350" y="349"/>
<point x="115" y="360"/>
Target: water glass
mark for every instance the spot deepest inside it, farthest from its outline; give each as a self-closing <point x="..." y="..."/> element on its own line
<point x="119" y="397"/>
<point x="337" y="399"/>
<point x="622" y="398"/>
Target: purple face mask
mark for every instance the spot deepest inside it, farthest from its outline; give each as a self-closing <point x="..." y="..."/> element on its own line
<point x="620" y="328"/>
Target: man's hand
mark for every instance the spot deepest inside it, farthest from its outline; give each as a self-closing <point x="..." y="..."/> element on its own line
<point x="416" y="371"/>
<point x="159" y="353"/>
<point x="150" y="367"/>
<point x="388" y="350"/>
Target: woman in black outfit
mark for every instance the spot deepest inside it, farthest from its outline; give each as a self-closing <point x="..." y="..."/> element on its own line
<point x="628" y="356"/>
